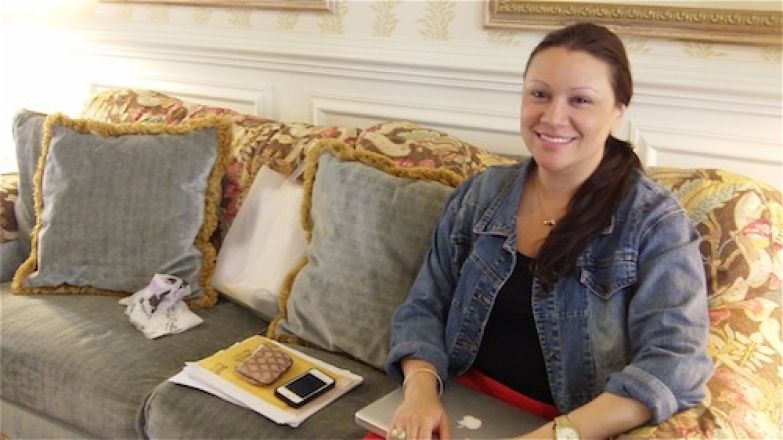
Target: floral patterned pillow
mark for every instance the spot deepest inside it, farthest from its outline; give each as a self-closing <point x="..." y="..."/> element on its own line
<point x="741" y="222"/>
<point x="409" y="144"/>
<point x="287" y="149"/>
<point x="129" y="105"/>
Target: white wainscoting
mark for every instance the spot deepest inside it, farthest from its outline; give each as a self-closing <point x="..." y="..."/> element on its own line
<point x="685" y="112"/>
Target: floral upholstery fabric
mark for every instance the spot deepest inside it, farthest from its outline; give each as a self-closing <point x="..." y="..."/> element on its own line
<point x="257" y="141"/>
<point x="287" y="149"/>
<point x="741" y="222"/>
<point x="127" y="105"/>
<point x="409" y="144"/>
<point x="8" y="194"/>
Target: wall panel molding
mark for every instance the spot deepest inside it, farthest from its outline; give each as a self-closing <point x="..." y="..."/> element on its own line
<point x="753" y="157"/>
<point x="409" y="63"/>
<point x="721" y="100"/>
<point x="708" y="145"/>
<point x="469" y="117"/>
<point x="469" y="66"/>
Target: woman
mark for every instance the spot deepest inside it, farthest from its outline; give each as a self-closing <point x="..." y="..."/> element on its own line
<point x="571" y="281"/>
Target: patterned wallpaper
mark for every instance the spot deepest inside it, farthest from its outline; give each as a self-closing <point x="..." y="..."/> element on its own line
<point x="432" y="21"/>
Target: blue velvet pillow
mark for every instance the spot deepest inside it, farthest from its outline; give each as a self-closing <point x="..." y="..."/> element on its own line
<point x="369" y="224"/>
<point x="28" y="133"/>
<point x="116" y="204"/>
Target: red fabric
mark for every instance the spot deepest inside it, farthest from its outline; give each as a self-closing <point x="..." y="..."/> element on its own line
<point x="484" y="384"/>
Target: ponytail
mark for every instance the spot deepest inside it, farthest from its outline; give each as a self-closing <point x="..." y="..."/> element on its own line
<point x="588" y="213"/>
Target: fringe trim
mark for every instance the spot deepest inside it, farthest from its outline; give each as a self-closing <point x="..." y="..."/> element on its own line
<point x="211" y="202"/>
<point x="345" y="153"/>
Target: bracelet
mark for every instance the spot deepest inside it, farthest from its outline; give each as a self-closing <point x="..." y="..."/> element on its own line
<point x="424" y="370"/>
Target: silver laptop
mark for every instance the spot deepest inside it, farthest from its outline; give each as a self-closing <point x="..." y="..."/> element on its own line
<point x="471" y="413"/>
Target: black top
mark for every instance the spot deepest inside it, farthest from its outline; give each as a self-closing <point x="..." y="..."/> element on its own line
<point x="510" y="351"/>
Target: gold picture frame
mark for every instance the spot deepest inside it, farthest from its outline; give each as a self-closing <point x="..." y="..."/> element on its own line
<point x="711" y="22"/>
<point x="288" y="5"/>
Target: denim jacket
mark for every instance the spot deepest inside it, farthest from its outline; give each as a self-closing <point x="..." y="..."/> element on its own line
<point x="630" y="318"/>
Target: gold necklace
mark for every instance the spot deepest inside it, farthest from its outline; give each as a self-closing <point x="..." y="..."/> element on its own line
<point x="548" y="221"/>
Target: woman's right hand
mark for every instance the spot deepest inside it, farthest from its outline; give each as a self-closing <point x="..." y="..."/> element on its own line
<point x="421" y="412"/>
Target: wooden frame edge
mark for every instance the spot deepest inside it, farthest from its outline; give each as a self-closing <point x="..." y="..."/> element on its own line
<point x="726" y="26"/>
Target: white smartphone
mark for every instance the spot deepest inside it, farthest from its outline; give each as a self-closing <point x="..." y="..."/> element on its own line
<point x="304" y="388"/>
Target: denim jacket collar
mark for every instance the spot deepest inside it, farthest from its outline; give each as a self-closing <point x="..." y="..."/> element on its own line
<point x="500" y="218"/>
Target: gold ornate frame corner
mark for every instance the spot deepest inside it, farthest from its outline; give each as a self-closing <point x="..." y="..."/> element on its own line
<point x="662" y="19"/>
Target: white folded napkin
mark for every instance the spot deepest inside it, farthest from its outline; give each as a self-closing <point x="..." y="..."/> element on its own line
<point x="159" y="309"/>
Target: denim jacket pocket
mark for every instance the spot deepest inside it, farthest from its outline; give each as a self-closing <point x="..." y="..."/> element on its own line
<point x="606" y="277"/>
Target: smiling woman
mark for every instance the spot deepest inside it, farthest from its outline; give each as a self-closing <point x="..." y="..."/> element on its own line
<point x="302" y="5"/>
<point x="571" y="279"/>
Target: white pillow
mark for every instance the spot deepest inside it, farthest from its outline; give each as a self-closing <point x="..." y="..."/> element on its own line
<point x="263" y="244"/>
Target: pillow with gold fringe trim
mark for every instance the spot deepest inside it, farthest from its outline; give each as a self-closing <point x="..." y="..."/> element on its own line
<point x="117" y="203"/>
<point x="368" y="224"/>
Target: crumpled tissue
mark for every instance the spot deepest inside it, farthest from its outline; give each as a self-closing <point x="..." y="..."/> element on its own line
<point x="159" y="309"/>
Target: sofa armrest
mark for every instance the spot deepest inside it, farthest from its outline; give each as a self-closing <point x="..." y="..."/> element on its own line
<point x="741" y="224"/>
<point x="696" y="422"/>
<point x="738" y="405"/>
<point x="8" y="196"/>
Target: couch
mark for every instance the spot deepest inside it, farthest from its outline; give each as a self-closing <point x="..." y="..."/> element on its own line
<point x="74" y="367"/>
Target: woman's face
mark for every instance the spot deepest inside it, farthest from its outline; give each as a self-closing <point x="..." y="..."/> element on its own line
<point x="568" y="111"/>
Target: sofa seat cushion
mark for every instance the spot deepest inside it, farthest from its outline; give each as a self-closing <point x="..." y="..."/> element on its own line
<point x="78" y="360"/>
<point x="176" y="411"/>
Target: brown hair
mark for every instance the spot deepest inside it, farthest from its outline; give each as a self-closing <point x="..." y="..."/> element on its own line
<point x="592" y="206"/>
